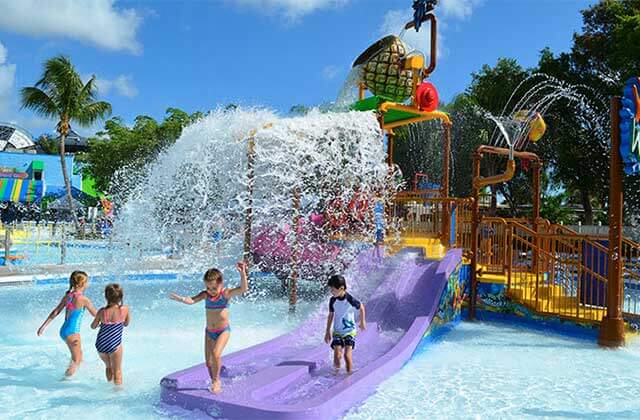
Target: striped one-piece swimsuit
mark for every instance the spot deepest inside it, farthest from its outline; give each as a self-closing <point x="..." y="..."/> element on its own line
<point x="110" y="335"/>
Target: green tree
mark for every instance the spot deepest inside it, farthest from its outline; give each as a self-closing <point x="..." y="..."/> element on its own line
<point x="61" y="94"/>
<point x="119" y="146"/>
<point x="48" y="144"/>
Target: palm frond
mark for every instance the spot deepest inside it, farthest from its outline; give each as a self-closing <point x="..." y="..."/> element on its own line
<point x="88" y="91"/>
<point x="38" y="101"/>
<point x="90" y="113"/>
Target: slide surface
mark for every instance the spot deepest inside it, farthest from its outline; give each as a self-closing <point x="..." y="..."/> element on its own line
<point x="292" y="377"/>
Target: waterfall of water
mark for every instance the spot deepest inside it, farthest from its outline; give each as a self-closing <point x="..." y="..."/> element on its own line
<point x="193" y="199"/>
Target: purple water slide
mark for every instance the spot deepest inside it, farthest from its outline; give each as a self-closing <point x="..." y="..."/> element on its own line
<point x="291" y="376"/>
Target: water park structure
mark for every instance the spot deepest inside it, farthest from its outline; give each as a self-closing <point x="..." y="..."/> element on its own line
<point x="477" y="305"/>
<point x="494" y="267"/>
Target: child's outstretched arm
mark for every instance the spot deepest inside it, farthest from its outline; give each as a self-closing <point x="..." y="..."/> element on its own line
<point x="96" y="320"/>
<point x="363" y="322"/>
<point x="127" y="319"/>
<point x="188" y="300"/>
<point x="56" y="311"/>
<point x="327" y="334"/>
<point x="87" y="303"/>
<point x="244" y="281"/>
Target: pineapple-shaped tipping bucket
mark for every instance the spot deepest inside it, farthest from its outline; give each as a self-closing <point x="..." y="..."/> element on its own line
<point x="382" y="71"/>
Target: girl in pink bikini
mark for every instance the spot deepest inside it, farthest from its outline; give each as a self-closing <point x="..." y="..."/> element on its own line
<point x="75" y="303"/>
<point x="217" y="331"/>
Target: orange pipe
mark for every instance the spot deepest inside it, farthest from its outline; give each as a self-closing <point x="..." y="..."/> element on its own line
<point x="434" y="45"/>
<point x="480" y="182"/>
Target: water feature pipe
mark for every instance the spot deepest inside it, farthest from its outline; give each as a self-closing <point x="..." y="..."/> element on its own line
<point x="295" y="251"/>
<point x="612" y="326"/>
<point x="251" y="153"/>
<point x="480" y="182"/>
<point x="433" y="42"/>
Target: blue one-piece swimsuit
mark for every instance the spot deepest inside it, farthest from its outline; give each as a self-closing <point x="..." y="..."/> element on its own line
<point x="73" y="320"/>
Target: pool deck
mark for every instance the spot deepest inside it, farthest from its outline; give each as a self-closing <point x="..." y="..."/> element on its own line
<point x="12" y="274"/>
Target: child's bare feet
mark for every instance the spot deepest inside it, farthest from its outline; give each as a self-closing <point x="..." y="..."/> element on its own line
<point x="216" y="387"/>
<point x="71" y="370"/>
<point x="118" y="378"/>
<point x="109" y="374"/>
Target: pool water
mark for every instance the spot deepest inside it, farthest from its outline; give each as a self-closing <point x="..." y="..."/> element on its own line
<point x="164" y="336"/>
<point x="487" y="371"/>
<point x="50" y="254"/>
<point x="477" y="370"/>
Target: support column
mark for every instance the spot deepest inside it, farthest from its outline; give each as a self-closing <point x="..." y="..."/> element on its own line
<point x="535" y="216"/>
<point x="295" y="252"/>
<point x="390" y="138"/>
<point x="612" y="325"/>
<point x="249" y="210"/>
<point x="475" y="221"/>
<point x="446" y="206"/>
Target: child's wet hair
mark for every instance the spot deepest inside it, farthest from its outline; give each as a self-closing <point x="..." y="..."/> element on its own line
<point x="213" y="275"/>
<point x="113" y="293"/>
<point x="77" y="279"/>
<point x="337" y="281"/>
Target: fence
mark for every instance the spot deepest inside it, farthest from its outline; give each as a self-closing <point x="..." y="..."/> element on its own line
<point x="551" y="269"/>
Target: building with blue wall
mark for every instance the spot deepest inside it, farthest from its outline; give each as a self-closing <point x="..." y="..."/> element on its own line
<point x="27" y="177"/>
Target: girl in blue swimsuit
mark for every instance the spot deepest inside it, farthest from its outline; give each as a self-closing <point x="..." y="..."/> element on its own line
<point x="112" y="319"/>
<point x="217" y="330"/>
<point x="75" y="303"/>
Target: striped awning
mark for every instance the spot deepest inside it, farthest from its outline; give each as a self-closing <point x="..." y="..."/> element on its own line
<point x="20" y="190"/>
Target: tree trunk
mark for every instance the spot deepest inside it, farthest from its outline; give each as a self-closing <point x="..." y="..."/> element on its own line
<point x="586" y="205"/>
<point x="67" y="181"/>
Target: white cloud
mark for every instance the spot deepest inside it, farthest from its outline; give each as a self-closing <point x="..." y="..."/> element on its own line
<point x="291" y="9"/>
<point x="330" y="72"/>
<point x="394" y="21"/>
<point x="461" y="9"/>
<point x="122" y="84"/>
<point x="7" y="81"/>
<point x="94" y="21"/>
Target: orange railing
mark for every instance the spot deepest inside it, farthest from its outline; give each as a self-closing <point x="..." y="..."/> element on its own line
<point x="631" y="278"/>
<point x="553" y="270"/>
<point x="422" y="215"/>
<point x="558" y="275"/>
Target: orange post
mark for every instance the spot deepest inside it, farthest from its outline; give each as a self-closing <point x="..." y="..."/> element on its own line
<point x="446" y="206"/>
<point x="249" y="210"/>
<point x="475" y="221"/>
<point x="612" y="325"/>
<point x="390" y="137"/>
<point x="295" y="252"/>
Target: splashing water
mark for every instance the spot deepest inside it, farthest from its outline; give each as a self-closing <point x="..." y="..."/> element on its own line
<point x="349" y="91"/>
<point x="545" y="91"/>
<point x="323" y="170"/>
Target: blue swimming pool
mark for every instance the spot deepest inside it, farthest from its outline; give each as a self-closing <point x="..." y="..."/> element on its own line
<point x="477" y="370"/>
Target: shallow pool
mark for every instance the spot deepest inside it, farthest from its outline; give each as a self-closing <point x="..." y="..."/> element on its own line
<point x="475" y="371"/>
<point x="488" y="371"/>
<point x="164" y="336"/>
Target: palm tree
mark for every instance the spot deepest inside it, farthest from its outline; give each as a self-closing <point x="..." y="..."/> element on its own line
<point x="62" y="95"/>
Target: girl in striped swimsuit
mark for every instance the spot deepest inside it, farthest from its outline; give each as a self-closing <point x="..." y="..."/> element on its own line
<point x="217" y="331"/>
<point x="112" y="319"/>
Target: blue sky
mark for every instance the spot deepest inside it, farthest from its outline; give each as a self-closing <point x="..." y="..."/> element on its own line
<point x="195" y="55"/>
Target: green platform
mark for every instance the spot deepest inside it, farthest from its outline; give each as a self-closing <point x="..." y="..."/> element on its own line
<point x="373" y="103"/>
